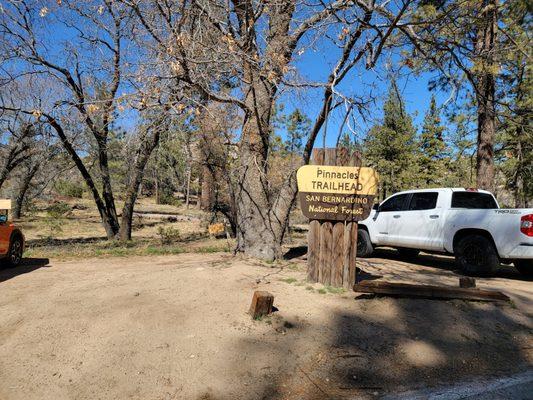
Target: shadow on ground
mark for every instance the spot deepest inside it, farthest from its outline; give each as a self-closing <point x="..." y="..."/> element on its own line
<point x="384" y="346"/>
<point x="64" y="242"/>
<point x="366" y="347"/>
<point x="444" y="263"/>
<point x="27" y="265"/>
<point x="295" y="252"/>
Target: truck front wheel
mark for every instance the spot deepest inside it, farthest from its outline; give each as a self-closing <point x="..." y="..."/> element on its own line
<point x="525" y="267"/>
<point x="476" y="255"/>
<point x="364" y="245"/>
<point x="14" y="256"/>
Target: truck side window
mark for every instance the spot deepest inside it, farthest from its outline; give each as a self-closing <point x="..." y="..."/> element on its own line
<point x="473" y="200"/>
<point x="395" y="203"/>
<point x="423" y="201"/>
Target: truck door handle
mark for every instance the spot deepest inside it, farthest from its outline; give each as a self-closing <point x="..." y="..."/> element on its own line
<point x="396" y="216"/>
<point x="433" y="216"/>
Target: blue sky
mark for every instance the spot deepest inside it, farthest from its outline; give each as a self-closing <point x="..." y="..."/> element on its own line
<point x="315" y="65"/>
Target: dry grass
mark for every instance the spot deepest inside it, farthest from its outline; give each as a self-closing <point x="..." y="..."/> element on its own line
<point x="69" y="250"/>
<point x="80" y="232"/>
<point x="84" y="222"/>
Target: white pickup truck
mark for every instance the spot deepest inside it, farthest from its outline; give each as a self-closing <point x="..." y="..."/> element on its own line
<point x="467" y="223"/>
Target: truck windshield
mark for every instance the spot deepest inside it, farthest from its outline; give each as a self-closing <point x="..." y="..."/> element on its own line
<point x="473" y="200"/>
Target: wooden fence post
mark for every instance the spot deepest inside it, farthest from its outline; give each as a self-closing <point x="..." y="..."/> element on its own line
<point x="332" y="245"/>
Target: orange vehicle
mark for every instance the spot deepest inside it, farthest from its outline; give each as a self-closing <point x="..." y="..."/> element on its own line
<point x="11" y="237"/>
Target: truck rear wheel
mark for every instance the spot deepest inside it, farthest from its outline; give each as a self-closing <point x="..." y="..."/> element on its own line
<point x="525" y="267"/>
<point x="476" y="255"/>
<point x="364" y="245"/>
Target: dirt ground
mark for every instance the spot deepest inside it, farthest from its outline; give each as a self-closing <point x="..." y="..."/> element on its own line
<point x="176" y="327"/>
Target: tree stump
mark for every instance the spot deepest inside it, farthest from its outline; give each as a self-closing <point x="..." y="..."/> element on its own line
<point x="262" y="303"/>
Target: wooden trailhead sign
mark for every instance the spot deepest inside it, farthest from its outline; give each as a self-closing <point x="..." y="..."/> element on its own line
<point x="334" y="193"/>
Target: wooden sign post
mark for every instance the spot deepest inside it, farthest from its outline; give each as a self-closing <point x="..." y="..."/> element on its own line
<point x="334" y="194"/>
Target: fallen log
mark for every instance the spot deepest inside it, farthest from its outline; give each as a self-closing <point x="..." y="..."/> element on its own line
<point x="428" y="291"/>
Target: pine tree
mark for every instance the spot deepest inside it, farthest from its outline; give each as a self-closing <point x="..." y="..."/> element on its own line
<point x="297" y="126"/>
<point x="389" y="147"/>
<point x="515" y="133"/>
<point x="433" y="158"/>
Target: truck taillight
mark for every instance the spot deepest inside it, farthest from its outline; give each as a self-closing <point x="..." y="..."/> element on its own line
<point x="526" y="225"/>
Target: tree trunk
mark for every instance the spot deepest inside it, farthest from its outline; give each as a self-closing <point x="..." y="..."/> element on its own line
<point x="156" y="187"/>
<point x="188" y="172"/>
<point x="107" y="220"/>
<point x="259" y="234"/>
<point x="107" y="190"/>
<point x="11" y="161"/>
<point x="518" y="184"/>
<point x="23" y="188"/>
<point x="4" y="173"/>
<point x="207" y="199"/>
<point x="486" y="88"/>
<point x="143" y="155"/>
<point x="486" y="135"/>
<point x="188" y="188"/>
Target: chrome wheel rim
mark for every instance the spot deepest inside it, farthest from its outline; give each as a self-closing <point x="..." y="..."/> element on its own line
<point x="16" y="252"/>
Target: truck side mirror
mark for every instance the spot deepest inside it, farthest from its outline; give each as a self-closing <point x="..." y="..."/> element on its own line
<point x="375" y="207"/>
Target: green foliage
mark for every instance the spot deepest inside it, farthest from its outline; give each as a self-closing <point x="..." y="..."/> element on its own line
<point x="515" y="131"/>
<point x="433" y="159"/>
<point x="296" y="125"/>
<point x="224" y="248"/>
<point x="166" y="171"/>
<point x="159" y="251"/>
<point x="30" y="208"/>
<point x="58" y="210"/>
<point x="54" y="217"/>
<point x="349" y="143"/>
<point x="68" y="188"/>
<point x="390" y="146"/>
<point x="168" y="198"/>
<point x="335" y="290"/>
<point x="169" y="234"/>
<point x="289" y="280"/>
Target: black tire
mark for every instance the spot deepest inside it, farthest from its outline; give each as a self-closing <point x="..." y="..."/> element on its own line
<point x="14" y="255"/>
<point x="476" y="255"/>
<point x="525" y="267"/>
<point x="408" y="253"/>
<point x="364" y="245"/>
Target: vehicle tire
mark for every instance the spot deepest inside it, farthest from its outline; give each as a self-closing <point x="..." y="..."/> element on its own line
<point x="476" y="255"/>
<point x="14" y="255"/>
<point x="364" y="245"/>
<point x="408" y="253"/>
<point x="525" y="267"/>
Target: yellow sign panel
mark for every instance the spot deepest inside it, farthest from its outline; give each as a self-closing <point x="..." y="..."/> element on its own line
<point x="337" y="180"/>
<point x="5" y="204"/>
